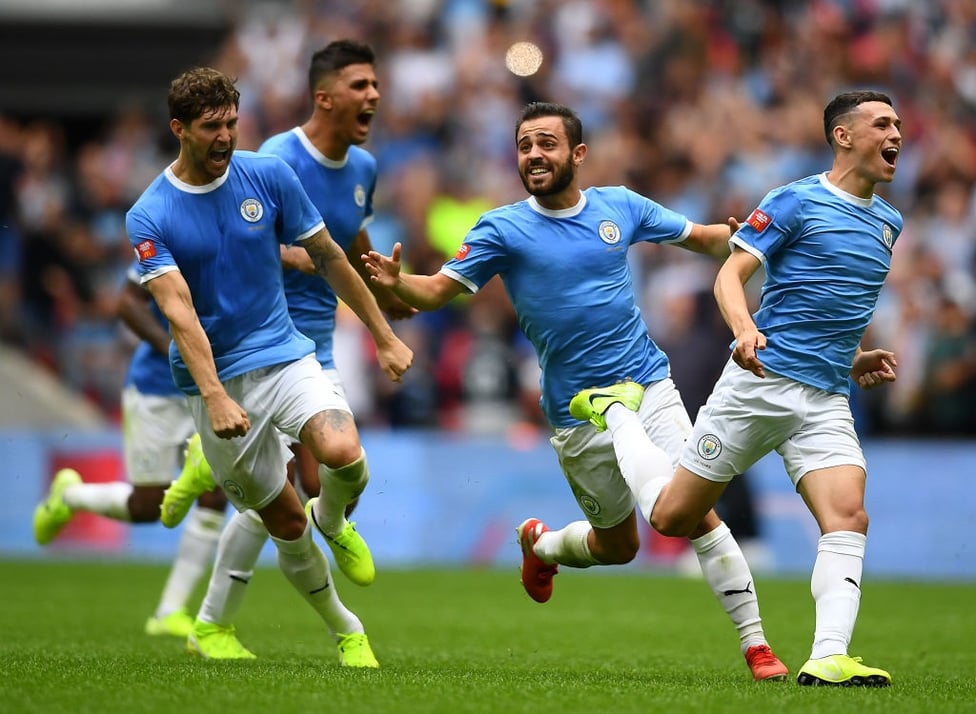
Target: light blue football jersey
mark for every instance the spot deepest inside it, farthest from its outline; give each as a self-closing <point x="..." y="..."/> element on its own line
<point x="567" y="276"/>
<point x="149" y="370"/>
<point x="224" y="239"/>
<point x="826" y="254"/>
<point x="342" y="191"/>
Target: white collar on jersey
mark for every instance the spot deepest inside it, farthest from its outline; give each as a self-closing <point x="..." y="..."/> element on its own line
<point x="559" y="213"/>
<point x="191" y="188"/>
<point x="318" y="155"/>
<point x="841" y="193"/>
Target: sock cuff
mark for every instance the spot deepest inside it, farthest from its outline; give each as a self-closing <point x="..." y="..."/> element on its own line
<point x="711" y="539"/>
<point x="843" y="543"/>
<point x="300" y="546"/>
<point x="351" y="472"/>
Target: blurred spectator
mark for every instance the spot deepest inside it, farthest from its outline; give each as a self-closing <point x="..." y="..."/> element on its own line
<point x="11" y="240"/>
<point x="950" y="374"/>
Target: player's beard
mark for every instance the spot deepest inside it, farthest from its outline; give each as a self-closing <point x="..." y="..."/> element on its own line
<point x="562" y="176"/>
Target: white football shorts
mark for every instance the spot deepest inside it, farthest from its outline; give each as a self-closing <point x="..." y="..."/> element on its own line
<point x="747" y="417"/>
<point x="333" y="376"/>
<point x="154" y="434"/>
<point x="278" y="399"/>
<point x="589" y="462"/>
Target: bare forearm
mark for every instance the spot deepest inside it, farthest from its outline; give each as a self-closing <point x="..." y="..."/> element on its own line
<point x="194" y="347"/>
<point x="709" y="239"/>
<point x="173" y="298"/>
<point x="422" y="292"/>
<point x="731" y="299"/>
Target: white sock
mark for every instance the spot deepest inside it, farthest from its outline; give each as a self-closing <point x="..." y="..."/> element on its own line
<point x="308" y="571"/>
<point x="194" y="556"/>
<point x="339" y="488"/>
<point x="836" y="588"/>
<point x="237" y="551"/>
<point x="567" y="546"/>
<point x="106" y="499"/>
<point x="645" y="467"/>
<point x="727" y="573"/>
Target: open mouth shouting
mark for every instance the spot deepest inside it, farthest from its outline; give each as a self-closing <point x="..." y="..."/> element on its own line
<point x="890" y="155"/>
<point x="219" y="157"/>
<point x="364" y="119"/>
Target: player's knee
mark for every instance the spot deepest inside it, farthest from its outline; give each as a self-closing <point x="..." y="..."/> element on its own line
<point x="855" y="520"/>
<point x="672" y="524"/>
<point x="859" y="521"/>
<point x="345" y="453"/>
<point x="291" y="528"/>
<point x="339" y="453"/>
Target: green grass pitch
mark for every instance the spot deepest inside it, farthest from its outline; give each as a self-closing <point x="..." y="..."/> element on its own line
<point x="613" y="641"/>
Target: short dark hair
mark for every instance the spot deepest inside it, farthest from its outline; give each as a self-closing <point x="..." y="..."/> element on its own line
<point x="571" y="121"/>
<point x="336" y="55"/>
<point x="201" y="90"/>
<point x="846" y="102"/>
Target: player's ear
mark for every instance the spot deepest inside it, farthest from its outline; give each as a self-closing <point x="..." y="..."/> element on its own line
<point x="579" y="153"/>
<point x="176" y="126"/>
<point x="842" y="137"/>
<point x="323" y="98"/>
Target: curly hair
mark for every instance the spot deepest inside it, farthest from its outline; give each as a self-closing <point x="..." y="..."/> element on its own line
<point x="199" y="91"/>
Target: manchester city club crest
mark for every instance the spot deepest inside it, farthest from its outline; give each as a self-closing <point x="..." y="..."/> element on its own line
<point x="252" y="210"/>
<point x="589" y="504"/>
<point x="359" y="195"/>
<point x="887" y="235"/>
<point x="709" y="447"/>
<point x="232" y="486"/>
<point x="609" y="232"/>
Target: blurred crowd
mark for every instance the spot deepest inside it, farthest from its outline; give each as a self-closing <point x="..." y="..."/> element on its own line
<point x="703" y="106"/>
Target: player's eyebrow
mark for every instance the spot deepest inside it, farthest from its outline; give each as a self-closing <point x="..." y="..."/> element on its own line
<point x="543" y="133"/>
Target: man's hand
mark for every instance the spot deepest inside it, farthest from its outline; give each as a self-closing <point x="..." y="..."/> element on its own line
<point x="227" y="417"/>
<point x="745" y="354"/>
<point x="873" y="368"/>
<point x="384" y="270"/>
<point x="394" y="359"/>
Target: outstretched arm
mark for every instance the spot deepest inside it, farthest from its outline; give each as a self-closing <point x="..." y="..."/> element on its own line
<point x="711" y="239"/>
<point x="331" y="263"/>
<point x="295" y="257"/>
<point x="389" y="302"/>
<point x="424" y="292"/>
